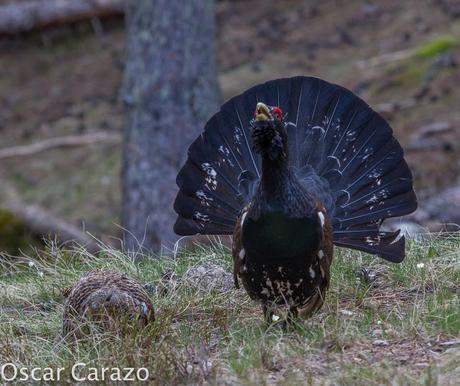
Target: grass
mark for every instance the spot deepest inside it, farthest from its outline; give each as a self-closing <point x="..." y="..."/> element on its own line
<point x="381" y="324"/>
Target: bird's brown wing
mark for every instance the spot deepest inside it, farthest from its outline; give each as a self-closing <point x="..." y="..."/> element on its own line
<point x="327" y="247"/>
<point x="237" y="248"/>
<point x="324" y="254"/>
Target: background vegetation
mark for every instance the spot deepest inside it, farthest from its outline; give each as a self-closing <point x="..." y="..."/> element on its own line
<point x="401" y="57"/>
<point x="381" y="323"/>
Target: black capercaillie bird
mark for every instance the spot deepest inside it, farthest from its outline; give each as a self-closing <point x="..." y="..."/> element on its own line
<point x="312" y="167"/>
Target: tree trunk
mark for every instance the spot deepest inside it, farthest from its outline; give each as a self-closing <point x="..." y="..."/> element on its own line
<point x="170" y="90"/>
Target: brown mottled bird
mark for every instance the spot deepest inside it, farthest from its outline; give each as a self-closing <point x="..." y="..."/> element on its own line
<point x="106" y="300"/>
<point x="290" y="168"/>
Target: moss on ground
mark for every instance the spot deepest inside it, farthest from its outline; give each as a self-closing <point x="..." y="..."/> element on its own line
<point x="436" y="47"/>
<point x="14" y="234"/>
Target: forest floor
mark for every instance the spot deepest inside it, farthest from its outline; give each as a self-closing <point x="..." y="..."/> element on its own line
<point x="381" y="323"/>
<point x="401" y="57"/>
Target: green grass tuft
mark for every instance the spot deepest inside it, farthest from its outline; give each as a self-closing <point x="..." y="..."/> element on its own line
<point x="393" y="324"/>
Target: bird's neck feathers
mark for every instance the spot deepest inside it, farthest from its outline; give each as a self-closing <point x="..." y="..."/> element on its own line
<point x="280" y="189"/>
<point x="270" y="141"/>
<point x="275" y="173"/>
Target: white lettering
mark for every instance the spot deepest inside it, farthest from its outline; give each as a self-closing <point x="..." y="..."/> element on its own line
<point x="33" y="374"/>
<point x="116" y="375"/>
<point x="48" y="374"/>
<point x="4" y="369"/>
<point x="128" y="376"/>
<point x="58" y="375"/>
<point x="80" y="372"/>
<point x="92" y="374"/>
<point x="104" y="370"/>
<point x="24" y="374"/>
<point x="75" y="376"/>
<point x="146" y="374"/>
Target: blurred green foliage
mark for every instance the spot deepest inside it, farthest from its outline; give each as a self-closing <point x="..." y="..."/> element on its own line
<point x="14" y="236"/>
<point x="436" y="47"/>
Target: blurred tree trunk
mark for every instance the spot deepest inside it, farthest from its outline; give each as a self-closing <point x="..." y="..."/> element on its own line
<point x="170" y="90"/>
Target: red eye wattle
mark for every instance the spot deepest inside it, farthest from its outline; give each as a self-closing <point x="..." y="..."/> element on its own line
<point x="277" y="111"/>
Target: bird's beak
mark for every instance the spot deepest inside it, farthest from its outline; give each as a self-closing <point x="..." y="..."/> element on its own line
<point x="263" y="112"/>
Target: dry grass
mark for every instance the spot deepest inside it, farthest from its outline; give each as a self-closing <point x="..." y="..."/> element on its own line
<point x="382" y="324"/>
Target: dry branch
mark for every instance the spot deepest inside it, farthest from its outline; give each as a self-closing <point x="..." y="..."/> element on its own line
<point x="25" y="16"/>
<point x="385" y="58"/>
<point x="67" y="141"/>
<point x="41" y="222"/>
<point x="391" y="107"/>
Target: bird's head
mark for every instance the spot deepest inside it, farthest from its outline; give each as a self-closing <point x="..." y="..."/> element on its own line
<point x="269" y="135"/>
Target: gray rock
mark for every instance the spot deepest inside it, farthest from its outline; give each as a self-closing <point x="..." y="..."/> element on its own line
<point x="443" y="208"/>
<point x="378" y="333"/>
<point x="409" y="229"/>
<point x="435" y="135"/>
<point x="210" y="277"/>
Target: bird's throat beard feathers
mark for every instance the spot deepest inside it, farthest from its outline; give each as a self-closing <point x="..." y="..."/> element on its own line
<point x="268" y="142"/>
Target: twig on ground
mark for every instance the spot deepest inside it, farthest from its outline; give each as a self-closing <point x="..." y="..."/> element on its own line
<point x="66" y="141"/>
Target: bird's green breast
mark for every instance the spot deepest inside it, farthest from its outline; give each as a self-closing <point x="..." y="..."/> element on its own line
<point x="274" y="237"/>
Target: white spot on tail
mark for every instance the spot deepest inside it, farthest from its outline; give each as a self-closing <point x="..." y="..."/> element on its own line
<point x="335" y="159"/>
<point x="373" y="199"/>
<point x="312" y="272"/>
<point x="242" y="254"/>
<point x="320" y="254"/>
<point x="211" y="177"/>
<point x="237" y="135"/>
<point x="204" y="198"/>
<point x="201" y="217"/>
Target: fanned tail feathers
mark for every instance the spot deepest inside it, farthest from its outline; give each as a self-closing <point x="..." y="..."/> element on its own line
<point x="342" y="150"/>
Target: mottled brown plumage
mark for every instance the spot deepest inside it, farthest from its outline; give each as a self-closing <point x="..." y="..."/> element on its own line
<point x="237" y="247"/>
<point x="105" y="300"/>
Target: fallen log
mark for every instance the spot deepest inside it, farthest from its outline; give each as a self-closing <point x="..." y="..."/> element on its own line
<point x="56" y="142"/>
<point x="28" y="15"/>
<point x="43" y="223"/>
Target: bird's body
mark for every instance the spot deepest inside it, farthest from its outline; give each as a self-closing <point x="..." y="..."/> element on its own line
<point x="283" y="260"/>
<point x="106" y="300"/>
<point x="290" y="186"/>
